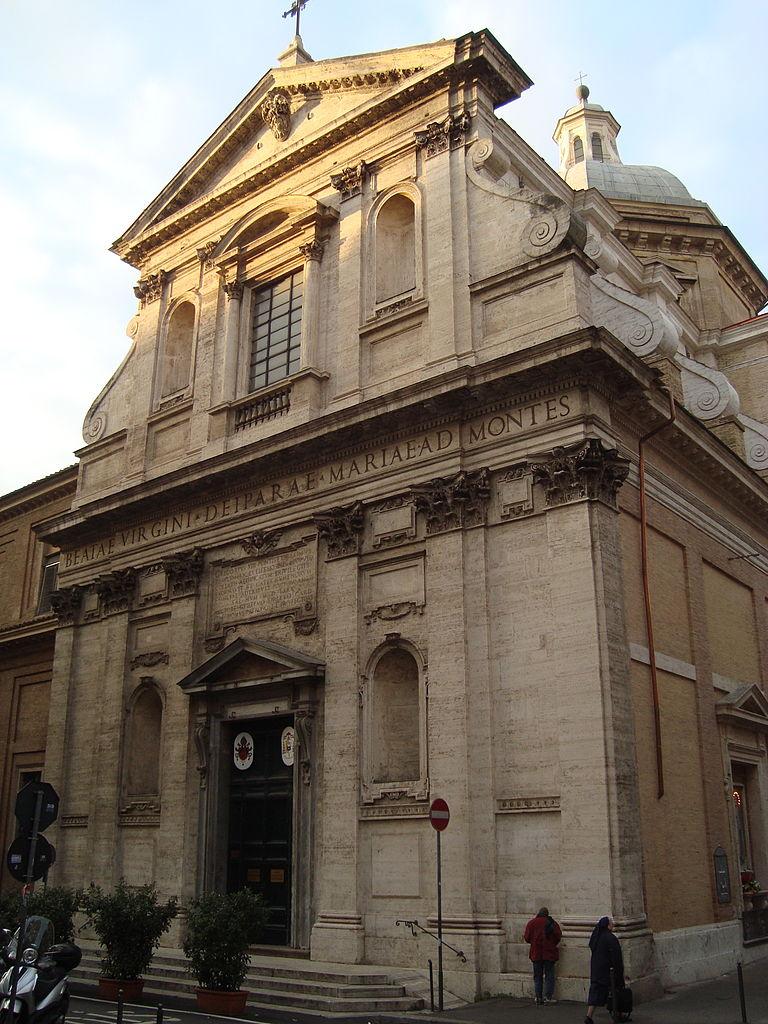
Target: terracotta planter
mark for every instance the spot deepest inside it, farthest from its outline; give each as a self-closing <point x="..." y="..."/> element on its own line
<point x="109" y="987"/>
<point x="226" y="1004"/>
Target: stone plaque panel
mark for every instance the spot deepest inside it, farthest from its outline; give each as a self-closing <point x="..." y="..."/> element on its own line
<point x="392" y="524"/>
<point x="251" y="589"/>
<point x="395" y="583"/>
<point x="396" y="866"/>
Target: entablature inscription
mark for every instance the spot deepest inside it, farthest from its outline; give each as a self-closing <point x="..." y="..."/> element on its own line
<point x="151" y="538"/>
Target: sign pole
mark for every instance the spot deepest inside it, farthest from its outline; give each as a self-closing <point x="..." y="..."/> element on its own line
<point x="39" y="796"/>
<point x="439" y="926"/>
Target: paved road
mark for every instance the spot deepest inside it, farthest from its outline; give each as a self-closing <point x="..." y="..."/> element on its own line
<point x="97" y="1011"/>
<point x="710" y="1002"/>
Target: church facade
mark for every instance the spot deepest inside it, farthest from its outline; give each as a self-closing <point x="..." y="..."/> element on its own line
<point x="361" y="521"/>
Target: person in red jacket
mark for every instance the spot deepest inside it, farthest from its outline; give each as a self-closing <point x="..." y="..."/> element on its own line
<point x="543" y="934"/>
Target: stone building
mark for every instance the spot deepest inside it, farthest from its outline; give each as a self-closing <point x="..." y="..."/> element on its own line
<point x="360" y="521"/>
<point x="28" y="570"/>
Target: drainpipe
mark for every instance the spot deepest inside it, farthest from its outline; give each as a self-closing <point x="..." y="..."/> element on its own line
<point x="647" y="589"/>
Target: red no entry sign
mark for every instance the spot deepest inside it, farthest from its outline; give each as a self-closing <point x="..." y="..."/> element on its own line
<point x="439" y="815"/>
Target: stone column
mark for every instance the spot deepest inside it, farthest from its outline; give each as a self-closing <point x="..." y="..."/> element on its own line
<point x="234" y="293"/>
<point x="310" y="321"/>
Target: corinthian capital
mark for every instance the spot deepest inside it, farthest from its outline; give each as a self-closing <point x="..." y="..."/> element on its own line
<point x="341" y="529"/>
<point x="585" y="469"/>
<point x="149" y="288"/>
<point x="233" y="289"/>
<point x="312" y="250"/>
<point x="449" y="503"/>
<point x="66" y="604"/>
<point x="349" y="180"/>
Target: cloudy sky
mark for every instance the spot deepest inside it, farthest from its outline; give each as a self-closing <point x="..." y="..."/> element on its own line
<point x="101" y="102"/>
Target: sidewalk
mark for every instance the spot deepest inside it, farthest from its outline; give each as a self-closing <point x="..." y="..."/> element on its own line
<point x="709" y="1002"/>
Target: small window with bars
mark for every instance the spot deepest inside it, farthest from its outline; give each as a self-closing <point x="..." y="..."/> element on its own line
<point x="276" y="330"/>
<point x="48" y="583"/>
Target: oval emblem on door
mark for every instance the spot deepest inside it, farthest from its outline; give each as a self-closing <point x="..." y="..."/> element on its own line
<point x="287" y="741"/>
<point x="243" y="750"/>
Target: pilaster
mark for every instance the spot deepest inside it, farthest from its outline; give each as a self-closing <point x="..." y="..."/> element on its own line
<point x="313" y="254"/>
<point x="591" y="697"/>
<point x="350" y="183"/>
<point x="234" y="292"/>
<point x="338" y="933"/>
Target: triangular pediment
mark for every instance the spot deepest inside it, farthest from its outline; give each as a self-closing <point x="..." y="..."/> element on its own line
<point x="256" y="662"/>
<point x="295" y="111"/>
<point x="747" y="705"/>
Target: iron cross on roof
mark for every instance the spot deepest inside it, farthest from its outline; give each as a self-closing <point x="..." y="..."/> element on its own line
<point x="294" y="11"/>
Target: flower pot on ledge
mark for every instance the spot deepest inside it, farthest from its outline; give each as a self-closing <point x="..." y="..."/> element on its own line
<point x="224" y="1004"/>
<point x="109" y="988"/>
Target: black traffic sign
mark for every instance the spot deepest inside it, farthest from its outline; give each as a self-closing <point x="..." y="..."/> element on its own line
<point x="26" y="804"/>
<point x="18" y="858"/>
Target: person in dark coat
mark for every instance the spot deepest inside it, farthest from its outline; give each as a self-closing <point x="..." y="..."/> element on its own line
<point x="543" y="935"/>
<point x="606" y="954"/>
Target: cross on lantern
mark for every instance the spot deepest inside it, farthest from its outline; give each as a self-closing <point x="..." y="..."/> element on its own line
<point x="580" y="79"/>
<point x="294" y="11"/>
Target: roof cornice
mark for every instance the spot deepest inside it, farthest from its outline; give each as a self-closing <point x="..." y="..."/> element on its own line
<point x="49" y="489"/>
<point x="639" y="229"/>
<point x="476" y="56"/>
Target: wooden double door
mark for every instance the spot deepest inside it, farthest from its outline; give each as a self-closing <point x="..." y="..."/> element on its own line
<point x="260" y="844"/>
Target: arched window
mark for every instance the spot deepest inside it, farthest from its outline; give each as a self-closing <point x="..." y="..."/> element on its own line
<point x="395" y="720"/>
<point x="597" y="147"/>
<point x="143" y="748"/>
<point x="395" y="248"/>
<point x="177" y="350"/>
<point x="578" y="150"/>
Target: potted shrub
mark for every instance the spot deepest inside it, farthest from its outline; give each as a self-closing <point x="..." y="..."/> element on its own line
<point x="220" y="927"/>
<point x="129" y="922"/>
<point x="59" y="904"/>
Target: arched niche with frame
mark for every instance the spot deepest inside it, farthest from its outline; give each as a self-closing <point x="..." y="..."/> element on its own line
<point x="144" y="730"/>
<point x="395" y="260"/>
<point x="395" y="722"/>
<point x="177" y="349"/>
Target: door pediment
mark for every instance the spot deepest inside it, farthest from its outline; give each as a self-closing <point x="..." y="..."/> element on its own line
<point x="746" y="706"/>
<point x="248" y="662"/>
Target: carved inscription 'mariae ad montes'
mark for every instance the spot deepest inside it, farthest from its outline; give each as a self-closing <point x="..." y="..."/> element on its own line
<point x="490" y="429"/>
<point x="247" y="590"/>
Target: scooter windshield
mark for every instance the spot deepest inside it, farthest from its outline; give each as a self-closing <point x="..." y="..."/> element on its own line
<point x="38" y="933"/>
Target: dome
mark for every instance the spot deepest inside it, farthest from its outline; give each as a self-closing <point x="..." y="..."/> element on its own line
<point x="630" y="182"/>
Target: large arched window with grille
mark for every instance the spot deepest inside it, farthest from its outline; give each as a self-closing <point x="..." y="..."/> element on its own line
<point x="597" y="147"/>
<point x="578" y="150"/>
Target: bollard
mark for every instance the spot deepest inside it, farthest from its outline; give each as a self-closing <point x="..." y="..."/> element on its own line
<point x="742" y="999"/>
<point x="431" y="986"/>
<point x="159" y="1014"/>
<point x="119" y="1006"/>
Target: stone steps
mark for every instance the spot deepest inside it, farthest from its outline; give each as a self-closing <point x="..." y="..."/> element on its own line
<point x="311" y="988"/>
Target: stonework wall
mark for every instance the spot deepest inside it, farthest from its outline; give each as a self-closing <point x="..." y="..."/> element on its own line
<point x="441" y="478"/>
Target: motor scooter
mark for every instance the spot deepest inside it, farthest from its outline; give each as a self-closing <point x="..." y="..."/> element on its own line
<point x="42" y="988"/>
